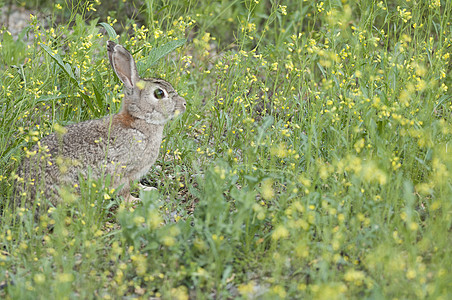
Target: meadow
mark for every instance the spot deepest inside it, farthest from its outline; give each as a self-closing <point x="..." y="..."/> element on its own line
<point x="313" y="161"/>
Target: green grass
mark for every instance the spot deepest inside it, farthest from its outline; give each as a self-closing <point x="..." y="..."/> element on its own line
<point x="314" y="159"/>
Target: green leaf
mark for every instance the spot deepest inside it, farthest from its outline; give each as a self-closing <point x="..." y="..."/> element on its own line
<point x="98" y="98"/>
<point x="97" y="88"/>
<point x="50" y="98"/>
<point x="64" y="66"/>
<point x="157" y="53"/>
<point x="88" y="101"/>
<point x="110" y="30"/>
<point x="67" y="68"/>
<point x="263" y="129"/>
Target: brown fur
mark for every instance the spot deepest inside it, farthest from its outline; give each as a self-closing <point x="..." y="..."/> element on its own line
<point x="123" y="119"/>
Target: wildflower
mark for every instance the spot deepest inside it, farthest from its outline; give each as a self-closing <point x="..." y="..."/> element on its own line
<point x="153" y="219"/>
<point x="65" y="277"/>
<point x="301" y="286"/>
<point x="280" y="151"/>
<point x="302" y="250"/>
<point x="138" y="220"/>
<point x="139" y="261"/>
<point x="39" y="278"/>
<point x="168" y="241"/>
<point x="404" y="14"/>
<point x="395" y="163"/>
<point x="283" y="9"/>
<point x="140" y="84"/>
<point x="331" y="290"/>
<point x="199" y="244"/>
<point x="371" y="173"/>
<point x="179" y="293"/>
<point x="413" y="226"/>
<point x="356" y="277"/>
<point x="320" y="7"/>
<point x="246" y="289"/>
<point x="280" y="232"/>
<point x="90" y="7"/>
<point x="157" y="33"/>
<point x="434" y="4"/>
<point x="259" y="210"/>
<point x="59" y="129"/>
<point x="279" y="290"/>
<point x="359" y="145"/>
<point x="381" y="5"/>
<point x="267" y="189"/>
<point x="410" y="274"/>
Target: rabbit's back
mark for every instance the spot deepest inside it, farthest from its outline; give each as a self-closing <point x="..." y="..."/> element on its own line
<point x="58" y="158"/>
<point x="109" y="146"/>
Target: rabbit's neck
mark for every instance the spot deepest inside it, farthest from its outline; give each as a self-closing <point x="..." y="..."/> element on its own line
<point x="126" y="120"/>
<point x="149" y="130"/>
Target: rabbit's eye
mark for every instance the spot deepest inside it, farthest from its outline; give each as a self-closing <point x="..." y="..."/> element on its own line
<point x="159" y="93"/>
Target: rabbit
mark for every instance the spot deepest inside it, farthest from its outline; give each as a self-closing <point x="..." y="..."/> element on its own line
<point x="124" y="145"/>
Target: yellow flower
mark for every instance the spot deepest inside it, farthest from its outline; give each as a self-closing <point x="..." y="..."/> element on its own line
<point x="434" y="4"/>
<point x="138" y="220"/>
<point x="359" y="145"/>
<point x="279" y="290"/>
<point x="404" y="14"/>
<point x="59" y="129"/>
<point x="39" y="278"/>
<point x="410" y="274"/>
<point x="65" y="277"/>
<point x="153" y="219"/>
<point x="357" y="277"/>
<point x="283" y="9"/>
<point x="267" y="189"/>
<point x="168" y="241"/>
<point x="246" y="289"/>
<point x="280" y="232"/>
<point x="179" y="293"/>
<point x="157" y="33"/>
<point x="280" y="151"/>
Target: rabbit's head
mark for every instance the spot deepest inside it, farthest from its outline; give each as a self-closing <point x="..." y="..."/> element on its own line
<point x="153" y="100"/>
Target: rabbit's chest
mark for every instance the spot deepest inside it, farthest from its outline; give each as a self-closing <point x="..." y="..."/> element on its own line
<point x="136" y="150"/>
<point x="144" y="149"/>
<point x="144" y="157"/>
<point x="139" y="143"/>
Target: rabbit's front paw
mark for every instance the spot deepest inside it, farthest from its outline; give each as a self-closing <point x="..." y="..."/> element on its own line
<point x="131" y="199"/>
<point x="146" y="188"/>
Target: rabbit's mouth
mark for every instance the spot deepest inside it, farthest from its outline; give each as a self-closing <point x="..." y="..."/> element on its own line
<point x="162" y="119"/>
<point x="177" y="112"/>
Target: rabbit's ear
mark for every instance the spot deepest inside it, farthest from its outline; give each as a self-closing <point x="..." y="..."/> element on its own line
<point x="123" y="63"/>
